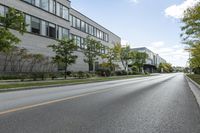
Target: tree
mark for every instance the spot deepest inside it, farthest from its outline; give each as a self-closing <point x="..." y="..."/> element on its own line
<point x="138" y="59"/>
<point x="91" y="51"/>
<point x="125" y="56"/>
<point x="165" y="67"/>
<point x="35" y="59"/>
<point x="13" y="19"/>
<point x="191" y="34"/>
<point x="112" y="56"/>
<point x="64" y="53"/>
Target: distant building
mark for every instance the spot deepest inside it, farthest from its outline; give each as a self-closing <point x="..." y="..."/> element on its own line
<point x="153" y="60"/>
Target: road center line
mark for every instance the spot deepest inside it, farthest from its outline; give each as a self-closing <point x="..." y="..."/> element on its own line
<point x="53" y="101"/>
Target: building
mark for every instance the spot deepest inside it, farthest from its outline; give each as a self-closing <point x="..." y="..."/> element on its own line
<point x="50" y="20"/>
<point x="153" y="61"/>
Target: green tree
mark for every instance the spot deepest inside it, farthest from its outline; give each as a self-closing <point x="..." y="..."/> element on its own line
<point x="13" y="19"/>
<point x="91" y="51"/>
<point x="165" y="67"/>
<point x="125" y="56"/>
<point x="64" y="53"/>
<point x="191" y="34"/>
<point x="138" y="59"/>
<point x="112" y="56"/>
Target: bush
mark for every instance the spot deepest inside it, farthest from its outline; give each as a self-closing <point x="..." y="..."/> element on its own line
<point x="80" y="74"/>
<point x="103" y="72"/>
<point x="69" y="73"/>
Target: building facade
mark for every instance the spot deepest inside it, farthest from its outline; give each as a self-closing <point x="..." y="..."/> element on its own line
<point x="50" y="20"/>
<point x="153" y="61"/>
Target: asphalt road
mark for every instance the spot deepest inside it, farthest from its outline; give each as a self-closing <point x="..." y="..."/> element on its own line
<point x="157" y="104"/>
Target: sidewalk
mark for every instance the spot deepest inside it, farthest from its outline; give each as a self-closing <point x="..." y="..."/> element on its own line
<point x="195" y="89"/>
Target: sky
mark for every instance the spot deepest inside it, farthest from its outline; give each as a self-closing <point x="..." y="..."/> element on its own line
<point x="154" y="24"/>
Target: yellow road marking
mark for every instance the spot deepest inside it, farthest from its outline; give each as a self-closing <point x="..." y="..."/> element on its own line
<point x="53" y="101"/>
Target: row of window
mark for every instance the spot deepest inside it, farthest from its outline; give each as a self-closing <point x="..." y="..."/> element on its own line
<point x="80" y="42"/>
<point x="87" y="28"/>
<point x="51" y="6"/>
<point x="41" y="27"/>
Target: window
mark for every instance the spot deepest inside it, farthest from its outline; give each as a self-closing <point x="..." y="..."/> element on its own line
<point x="82" y="43"/>
<point x="2" y="10"/>
<point x="52" y="6"/>
<point x="98" y="33"/>
<point x="78" y="23"/>
<point x="83" y="26"/>
<point x="65" y="33"/>
<point x="45" y="4"/>
<point x="73" y="21"/>
<point x="29" y="1"/>
<point x="35" y="25"/>
<point x="58" y="7"/>
<point x="78" y="41"/>
<point x="101" y="35"/>
<point x="86" y="27"/>
<point x="59" y="32"/>
<point x="44" y="28"/>
<point x="28" y="22"/>
<point x="70" y="19"/>
<point x="52" y="30"/>
<point x="65" y="13"/>
<point x="95" y="32"/>
<point x="37" y="3"/>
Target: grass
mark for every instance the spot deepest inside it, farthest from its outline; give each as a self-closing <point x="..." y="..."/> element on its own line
<point x="30" y="85"/>
<point x="195" y="77"/>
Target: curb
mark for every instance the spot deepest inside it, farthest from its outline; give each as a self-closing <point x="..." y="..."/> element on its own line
<point x="195" y="88"/>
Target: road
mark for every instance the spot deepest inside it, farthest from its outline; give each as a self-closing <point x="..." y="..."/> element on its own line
<point x="157" y="104"/>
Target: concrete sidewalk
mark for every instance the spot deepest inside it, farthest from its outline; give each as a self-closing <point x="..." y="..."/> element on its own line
<point x="195" y="89"/>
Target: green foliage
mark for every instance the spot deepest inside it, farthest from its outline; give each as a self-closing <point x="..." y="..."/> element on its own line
<point x="64" y="51"/>
<point x="191" y="34"/>
<point x="138" y="59"/>
<point x="12" y="20"/>
<point x="125" y="56"/>
<point x="112" y="56"/>
<point x="92" y="51"/>
<point x="165" y="67"/>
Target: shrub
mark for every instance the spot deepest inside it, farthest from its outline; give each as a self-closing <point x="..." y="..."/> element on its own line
<point x="80" y="74"/>
<point x="103" y="72"/>
<point x="69" y="73"/>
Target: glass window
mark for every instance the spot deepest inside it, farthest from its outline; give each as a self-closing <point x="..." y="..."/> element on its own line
<point x="83" y="26"/>
<point x="78" y="41"/>
<point x="28" y="22"/>
<point x="2" y="10"/>
<point x="98" y="33"/>
<point x="52" y="30"/>
<point x="37" y="3"/>
<point x="82" y="42"/>
<point x="44" y="26"/>
<point x="65" y="13"/>
<point x="73" y="21"/>
<point x="86" y="27"/>
<point x="35" y="25"/>
<point x="52" y="6"/>
<point x="59" y="32"/>
<point x="58" y="6"/>
<point x="70" y="19"/>
<point x="65" y="33"/>
<point x="45" y="4"/>
<point x="95" y="32"/>
<point x="78" y="23"/>
<point x="29" y="1"/>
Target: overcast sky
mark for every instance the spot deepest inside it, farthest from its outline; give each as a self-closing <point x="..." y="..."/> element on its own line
<point x="154" y="24"/>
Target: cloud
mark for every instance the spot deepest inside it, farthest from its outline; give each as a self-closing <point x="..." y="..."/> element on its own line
<point x="175" y="54"/>
<point x="177" y="11"/>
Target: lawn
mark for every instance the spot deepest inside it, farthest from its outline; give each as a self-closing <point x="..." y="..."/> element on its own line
<point x="195" y="77"/>
<point x="28" y="85"/>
